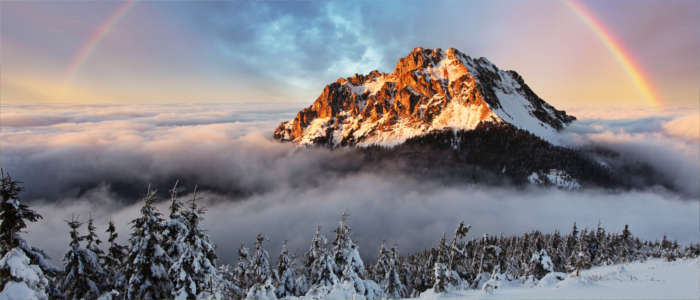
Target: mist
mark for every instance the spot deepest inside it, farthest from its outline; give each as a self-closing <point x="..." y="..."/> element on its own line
<point x="97" y="161"/>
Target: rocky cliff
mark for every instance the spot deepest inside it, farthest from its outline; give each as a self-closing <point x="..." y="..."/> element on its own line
<point x="429" y="90"/>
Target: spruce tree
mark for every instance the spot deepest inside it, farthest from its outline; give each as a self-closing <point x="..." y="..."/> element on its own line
<point x="175" y="228"/>
<point x="320" y="265"/>
<point x="147" y="262"/>
<point x="582" y="259"/>
<point x="263" y="286"/>
<point x="243" y="272"/>
<point x="14" y="215"/>
<point x="82" y="276"/>
<point x="286" y="286"/>
<point x="194" y="269"/>
<point x="347" y="258"/>
<point x="113" y="261"/>
<point x="391" y="283"/>
<point x="626" y="249"/>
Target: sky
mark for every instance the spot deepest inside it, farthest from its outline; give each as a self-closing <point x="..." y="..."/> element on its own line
<point x="287" y="51"/>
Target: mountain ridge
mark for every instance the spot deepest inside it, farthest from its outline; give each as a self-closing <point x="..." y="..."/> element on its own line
<point x="429" y="89"/>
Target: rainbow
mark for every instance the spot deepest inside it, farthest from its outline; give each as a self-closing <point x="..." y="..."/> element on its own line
<point x="94" y="39"/>
<point x="622" y="56"/>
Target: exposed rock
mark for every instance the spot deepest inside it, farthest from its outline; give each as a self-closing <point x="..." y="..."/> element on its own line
<point x="430" y="89"/>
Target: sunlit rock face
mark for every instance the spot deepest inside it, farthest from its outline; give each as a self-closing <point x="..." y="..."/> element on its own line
<point x="429" y="90"/>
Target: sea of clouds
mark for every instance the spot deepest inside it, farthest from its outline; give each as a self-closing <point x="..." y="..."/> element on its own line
<point x="97" y="160"/>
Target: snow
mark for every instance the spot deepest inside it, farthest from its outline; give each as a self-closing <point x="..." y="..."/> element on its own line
<point x="653" y="279"/>
<point x="558" y="178"/>
<point x="316" y="129"/>
<point x="19" y="266"/>
<point x="516" y="110"/>
<point x="563" y="180"/>
<point x="17" y="291"/>
<point x="534" y="178"/>
<point x="462" y="116"/>
<point x="31" y="284"/>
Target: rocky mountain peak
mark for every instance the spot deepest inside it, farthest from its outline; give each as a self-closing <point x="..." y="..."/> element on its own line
<point x="430" y="89"/>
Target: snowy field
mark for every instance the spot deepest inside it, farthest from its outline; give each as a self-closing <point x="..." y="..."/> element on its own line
<point x="653" y="279"/>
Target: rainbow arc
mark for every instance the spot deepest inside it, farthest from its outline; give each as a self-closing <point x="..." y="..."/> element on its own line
<point x="617" y="49"/>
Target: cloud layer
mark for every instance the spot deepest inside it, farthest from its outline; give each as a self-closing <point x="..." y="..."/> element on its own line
<point x="98" y="159"/>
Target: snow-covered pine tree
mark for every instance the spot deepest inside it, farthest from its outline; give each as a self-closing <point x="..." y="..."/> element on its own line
<point x="442" y="278"/>
<point x="113" y="261"/>
<point x="320" y="265"/>
<point x="147" y="262"/>
<point x="286" y="286"/>
<point x="540" y="264"/>
<point x="348" y="261"/>
<point x="381" y="265"/>
<point x="673" y="252"/>
<point x="175" y="228"/>
<point x="93" y="241"/>
<point x="14" y="216"/>
<point x="93" y="245"/>
<point x="82" y="274"/>
<point x="225" y="283"/>
<point x="457" y="253"/>
<point x="263" y="280"/>
<point x="193" y="271"/>
<point x="582" y="260"/>
<point x="571" y="240"/>
<point x="391" y="284"/>
<point x="626" y="249"/>
<point x="243" y="273"/>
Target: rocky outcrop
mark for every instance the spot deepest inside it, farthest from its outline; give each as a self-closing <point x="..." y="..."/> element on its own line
<point x="430" y="89"/>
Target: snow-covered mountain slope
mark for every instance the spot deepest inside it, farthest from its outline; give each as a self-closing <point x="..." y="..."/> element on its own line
<point x="653" y="279"/>
<point x="430" y="89"/>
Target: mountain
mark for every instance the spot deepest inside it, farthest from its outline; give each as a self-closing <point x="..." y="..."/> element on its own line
<point x="447" y="116"/>
<point x="429" y="90"/>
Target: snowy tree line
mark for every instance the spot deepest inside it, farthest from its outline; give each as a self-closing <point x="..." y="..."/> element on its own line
<point x="172" y="258"/>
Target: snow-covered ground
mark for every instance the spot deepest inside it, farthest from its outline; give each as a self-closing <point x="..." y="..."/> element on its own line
<point x="653" y="279"/>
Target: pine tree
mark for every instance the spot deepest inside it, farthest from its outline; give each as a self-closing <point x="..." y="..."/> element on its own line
<point x="147" y="262"/>
<point x="286" y="286"/>
<point x="391" y="283"/>
<point x="82" y="273"/>
<point x="320" y="265"/>
<point x="583" y="259"/>
<point x="193" y="271"/>
<point x="113" y="261"/>
<point x="13" y="214"/>
<point x="243" y="272"/>
<point x="626" y="248"/>
<point x="347" y="259"/>
<point x="175" y="229"/>
<point x="226" y="283"/>
<point x="540" y="264"/>
<point x="93" y="245"/>
<point x="263" y="286"/>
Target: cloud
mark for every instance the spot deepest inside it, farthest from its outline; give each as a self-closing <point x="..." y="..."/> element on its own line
<point x="98" y="160"/>
<point x="411" y="213"/>
<point x="686" y="127"/>
<point x="668" y="142"/>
